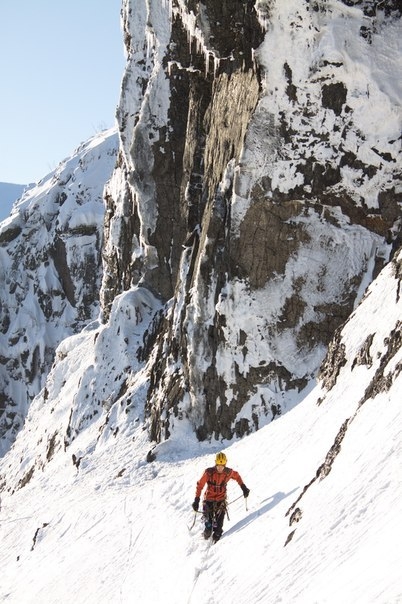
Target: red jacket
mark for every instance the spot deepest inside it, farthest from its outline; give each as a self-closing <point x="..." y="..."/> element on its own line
<point x="216" y="483"/>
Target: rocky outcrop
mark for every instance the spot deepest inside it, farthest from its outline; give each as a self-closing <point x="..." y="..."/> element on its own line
<point x="377" y="350"/>
<point x="253" y="196"/>
<point x="186" y="103"/>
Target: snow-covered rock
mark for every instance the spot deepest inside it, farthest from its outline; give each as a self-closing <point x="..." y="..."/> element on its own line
<point x="258" y="193"/>
<point x="51" y="270"/>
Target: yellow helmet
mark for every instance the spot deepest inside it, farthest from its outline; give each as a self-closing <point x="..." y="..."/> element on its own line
<point x="220" y="459"/>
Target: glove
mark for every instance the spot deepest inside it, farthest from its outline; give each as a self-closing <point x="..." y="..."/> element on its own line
<point x="245" y="490"/>
<point x="196" y="503"/>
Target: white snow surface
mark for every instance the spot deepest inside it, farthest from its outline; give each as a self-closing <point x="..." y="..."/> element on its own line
<point x="115" y="528"/>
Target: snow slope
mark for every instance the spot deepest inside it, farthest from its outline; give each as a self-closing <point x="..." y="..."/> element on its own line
<point x="98" y="523"/>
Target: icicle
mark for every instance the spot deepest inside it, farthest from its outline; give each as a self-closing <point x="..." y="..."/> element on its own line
<point x="206" y="59"/>
<point x="194" y="33"/>
<point x="150" y="41"/>
<point x="216" y="64"/>
<point x="263" y="13"/>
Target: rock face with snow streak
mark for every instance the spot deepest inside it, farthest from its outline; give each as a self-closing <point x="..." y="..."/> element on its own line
<point x="51" y="270"/>
<point x="256" y="194"/>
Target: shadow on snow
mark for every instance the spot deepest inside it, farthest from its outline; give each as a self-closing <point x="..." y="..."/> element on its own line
<point x="271" y="503"/>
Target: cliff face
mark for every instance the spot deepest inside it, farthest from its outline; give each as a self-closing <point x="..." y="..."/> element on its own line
<point x="255" y="195"/>
<point x="253" y="199"/>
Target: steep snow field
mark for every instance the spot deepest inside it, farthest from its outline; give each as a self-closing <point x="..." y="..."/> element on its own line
<point x="114" y="528"/>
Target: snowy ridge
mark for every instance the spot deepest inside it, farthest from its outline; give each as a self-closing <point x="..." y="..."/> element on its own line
<point x="117" y="520"/>
<point x="311" y="168"/>
<point x="315" y="173"/>
<point x="50" y="249"/>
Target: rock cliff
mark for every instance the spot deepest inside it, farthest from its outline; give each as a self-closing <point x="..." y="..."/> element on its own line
<point x="256" y="194"/>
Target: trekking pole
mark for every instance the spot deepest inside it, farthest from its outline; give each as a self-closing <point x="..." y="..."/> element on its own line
<point x="233" y="500"/>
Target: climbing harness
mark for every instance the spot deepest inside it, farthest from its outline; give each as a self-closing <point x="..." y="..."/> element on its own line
<point x="215" y="509"/>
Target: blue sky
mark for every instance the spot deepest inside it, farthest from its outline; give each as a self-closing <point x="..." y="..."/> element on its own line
<point x="61" y="65"/>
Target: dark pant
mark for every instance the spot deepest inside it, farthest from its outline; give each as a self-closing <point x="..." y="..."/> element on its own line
<point x="214" y="514"/>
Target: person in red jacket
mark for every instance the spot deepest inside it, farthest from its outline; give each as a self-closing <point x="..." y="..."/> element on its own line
<point x="214" y="505"/>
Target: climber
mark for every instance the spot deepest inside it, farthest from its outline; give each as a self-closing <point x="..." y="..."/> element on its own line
<point x="214" y="505"/>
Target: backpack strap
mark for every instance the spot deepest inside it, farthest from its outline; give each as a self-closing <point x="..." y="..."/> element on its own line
<point x="226" y="471"/>
<point x="210" y="472"/>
